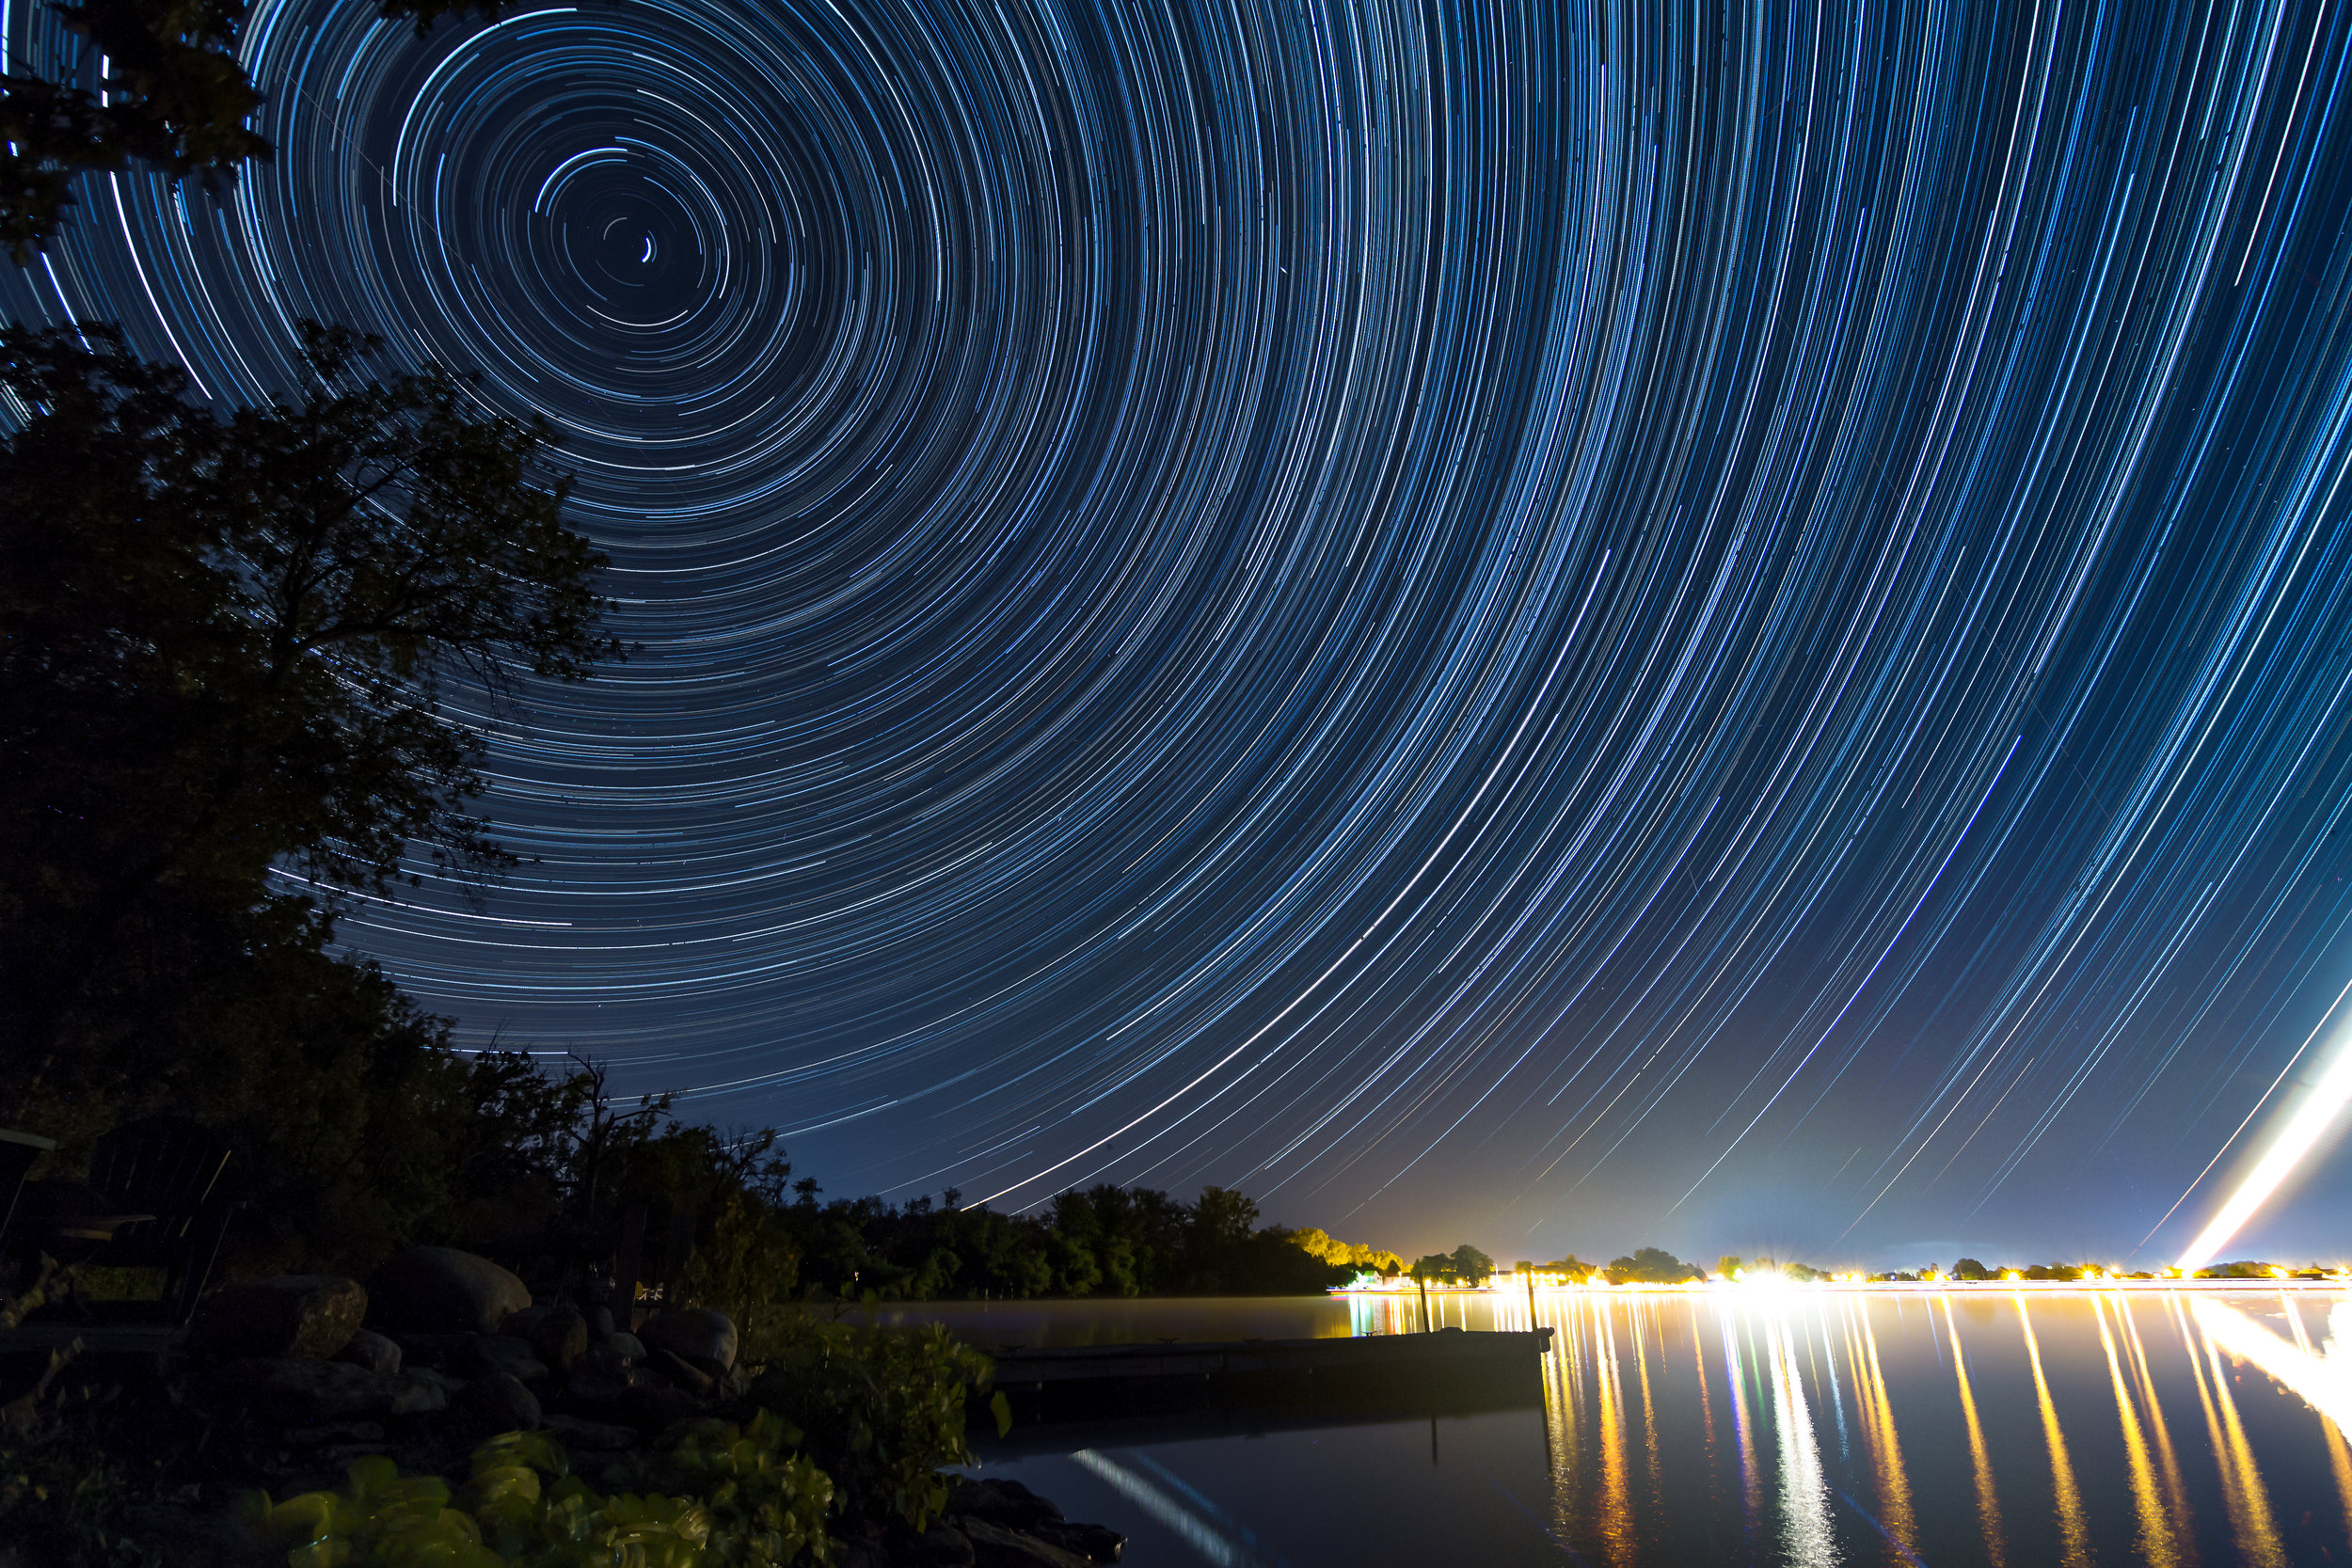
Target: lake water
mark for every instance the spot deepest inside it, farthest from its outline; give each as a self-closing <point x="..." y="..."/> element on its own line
<point x="2001" y="1427"/>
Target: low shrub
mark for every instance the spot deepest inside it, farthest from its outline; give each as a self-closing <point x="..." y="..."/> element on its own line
<point x="746" y="1502"/>
<point x="881" y="1410"/>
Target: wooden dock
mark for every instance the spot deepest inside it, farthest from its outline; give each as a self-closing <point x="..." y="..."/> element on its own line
<point x="1453" y="1369"/>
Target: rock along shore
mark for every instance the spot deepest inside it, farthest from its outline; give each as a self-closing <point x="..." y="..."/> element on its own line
<point x="281" y="1383"/>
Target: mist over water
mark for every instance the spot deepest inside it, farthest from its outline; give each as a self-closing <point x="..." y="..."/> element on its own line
<point x="2005" y="1428"/>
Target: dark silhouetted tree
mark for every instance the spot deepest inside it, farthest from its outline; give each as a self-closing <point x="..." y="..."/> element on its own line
<point x="176" y="100"/>
<point x="1652" y="1265"/>
<point x="226" y="647"/>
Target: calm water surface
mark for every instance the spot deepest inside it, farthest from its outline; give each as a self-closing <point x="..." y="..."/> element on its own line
<point x="1995" y="1427"/>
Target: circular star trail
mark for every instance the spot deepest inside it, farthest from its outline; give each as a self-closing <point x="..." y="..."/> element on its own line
<point x="1595" y="626"/>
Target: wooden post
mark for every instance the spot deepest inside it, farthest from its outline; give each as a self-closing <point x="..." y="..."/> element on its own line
<point x="1424" y="1304"/>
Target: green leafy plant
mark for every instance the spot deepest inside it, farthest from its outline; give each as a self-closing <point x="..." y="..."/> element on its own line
<point x="765" y="1503"/>
<point x="749" y="1502"/>
<point x="883" y="1410"/>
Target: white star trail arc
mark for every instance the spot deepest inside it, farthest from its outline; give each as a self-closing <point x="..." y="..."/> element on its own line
<point x="1497" y="611"/>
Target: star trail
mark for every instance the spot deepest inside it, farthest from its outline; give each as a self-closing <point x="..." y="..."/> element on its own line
<point x="1579" y="626"/>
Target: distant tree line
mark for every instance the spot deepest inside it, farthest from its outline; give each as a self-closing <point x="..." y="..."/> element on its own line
<point x="1969" y="1268"/>
<point x="1103" y="1241"/>
<point x="1464" y="1266"/>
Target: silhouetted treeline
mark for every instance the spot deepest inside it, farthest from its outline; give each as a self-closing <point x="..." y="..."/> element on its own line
<point x="1105" y="1241"/>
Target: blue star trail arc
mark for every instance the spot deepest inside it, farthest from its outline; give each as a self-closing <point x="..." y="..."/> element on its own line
<point x="1599" y="625"/>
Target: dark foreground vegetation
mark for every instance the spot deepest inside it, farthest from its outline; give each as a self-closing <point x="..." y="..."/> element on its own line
<point x="229" y="644"/>
<point x="176" y="101"/>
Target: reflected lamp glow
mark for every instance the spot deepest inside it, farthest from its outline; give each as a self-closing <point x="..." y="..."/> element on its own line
<point x="2322" y="1102"/>
<point x="2320" y="1380"/>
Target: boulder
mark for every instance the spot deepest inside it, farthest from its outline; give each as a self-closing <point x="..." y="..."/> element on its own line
<point x="1000" y="1502"/>
<point x="377" y="1353"/>
<point x="508" y="1354"/>
<point x="682" y="1373"/>
<point x="299" y="1317"/>
<point x="296" y="1393"/>
<point x="519" y="1325"/>
<point x="940" y="1546"/>
<point x="994" y="1546"/>
<point x="627" y="1347"/>
<point x="600" y="1322"/>
<point x="435" y="1349"/>
<point x="596" y="1385"/>
<point x="500" y="1401"/>
<point x="451" y="1386"/>
<point x="696" y="1335"/>
<point x="559" y="1336"/>
<point x="440" y="1290"/>
<point x="1095" y="1543"/>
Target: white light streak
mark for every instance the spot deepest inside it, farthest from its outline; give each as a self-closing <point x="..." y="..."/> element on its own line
<point x="2310" y="1120"/>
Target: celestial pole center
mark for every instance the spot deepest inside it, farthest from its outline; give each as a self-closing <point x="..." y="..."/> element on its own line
<point x="1577" y="629"/>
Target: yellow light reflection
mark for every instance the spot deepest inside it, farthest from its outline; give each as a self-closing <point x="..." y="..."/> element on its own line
<point x="2169" y="1463"/>
<point x="1617" y="1508"/>
<point x="1564" y="1431"/>
<point x="2242" y="1491"/>
<point x="2157" y="1543"/>
<point x="1988" y="1502"/>
<point x="1649" y="1411"/>
<point x="2072" y="1531"/>
<point x="1886" y="1453"/>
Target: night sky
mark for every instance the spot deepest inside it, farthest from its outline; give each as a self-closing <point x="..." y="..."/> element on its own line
<point x="1513" y="623"/>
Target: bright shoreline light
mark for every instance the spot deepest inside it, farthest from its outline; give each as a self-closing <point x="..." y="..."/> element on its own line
<point x="2322" y="1104"/>
<point x="2334" y="1280"/>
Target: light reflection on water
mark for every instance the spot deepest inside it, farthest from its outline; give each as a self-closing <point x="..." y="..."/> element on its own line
<point x="1880" y="1429"/>
<point x="1804" y="1428"/>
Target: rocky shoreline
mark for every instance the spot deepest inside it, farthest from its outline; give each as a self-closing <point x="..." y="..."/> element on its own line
<point x="282" y="1383"/>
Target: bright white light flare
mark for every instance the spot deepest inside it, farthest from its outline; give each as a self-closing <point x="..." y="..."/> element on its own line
<point x="2321" y="1104"/>
<point x="2322" y="1380"/>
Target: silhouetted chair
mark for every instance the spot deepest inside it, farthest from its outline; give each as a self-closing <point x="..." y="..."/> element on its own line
<point x="151" y="1201"/>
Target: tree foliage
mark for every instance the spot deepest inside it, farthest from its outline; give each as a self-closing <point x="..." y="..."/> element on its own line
<point x="424" y="13"/>
<point x="176" y="100"/>
<point x="1652" y="1265"/>
<point x="226" y="646"/>
<point x="1103" y="1241"/>
<point x="1352" y="1255"/>
<point x="1464" y="1266"/>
